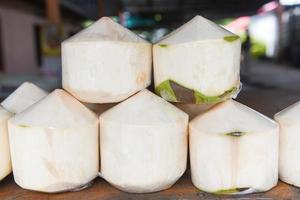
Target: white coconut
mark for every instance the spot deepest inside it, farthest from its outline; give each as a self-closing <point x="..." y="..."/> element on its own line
<point x="5" y="163"/>
<point x="233" y="150"/>
<point x="23" y="97"/>
<point x="289" y="154"/>
<point x="54" y="144"/>
<point x="197" y="63"/>
<point x="105" y="63"/>
<point x="143" y="144"/>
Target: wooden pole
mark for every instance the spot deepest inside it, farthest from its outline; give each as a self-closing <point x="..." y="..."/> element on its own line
<point x="101" y="8"/>
<point x="53" y="11"/>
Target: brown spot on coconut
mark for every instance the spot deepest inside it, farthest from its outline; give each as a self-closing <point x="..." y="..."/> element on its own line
<point x="183" y="94"/>
<point x="141" y="78"/>
<point x="51" y="168"/>
<point x="49" y="136"/>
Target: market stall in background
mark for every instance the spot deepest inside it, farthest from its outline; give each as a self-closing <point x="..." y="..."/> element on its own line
<point x="31" y="32"/>
<point x="173" y="98"/>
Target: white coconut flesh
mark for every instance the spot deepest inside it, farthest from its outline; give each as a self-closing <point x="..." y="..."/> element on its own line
<point x="105" y="63"/>
<point x="143" y="144"/>
<point x="5" y="164"/>
<point x="289" y="154"/>
<point x="233" y="150"/>
<point x="54" y="144"/>
<point x="197" y="63"/>
<point x="23" y="97"/>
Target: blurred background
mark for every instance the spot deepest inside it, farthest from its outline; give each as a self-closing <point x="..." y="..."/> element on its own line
<point x="31" y="32"/>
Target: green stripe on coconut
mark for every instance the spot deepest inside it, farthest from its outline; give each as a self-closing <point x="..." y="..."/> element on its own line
<point x="24" y="126"/>
<point x="163" y="45"/>
<point x="175" y="92"/>
<point x="230" y="191"/>
<point x="235" y="134"/>
<point x="165" y="90"/>
<point x="231" y="38"/>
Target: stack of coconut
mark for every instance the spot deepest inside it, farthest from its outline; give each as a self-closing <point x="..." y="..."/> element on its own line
<point x="55" y="141"/>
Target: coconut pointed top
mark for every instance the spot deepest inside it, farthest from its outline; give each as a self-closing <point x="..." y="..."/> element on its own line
<point x="197" y="29"/>
<point x="145" y="109"/>
<point x="57" y="110"/>
<point x="231" y="116"/>
<point x="23" y="97"/>
<point x="105" y="29"/>
<point x="289" y="114"/>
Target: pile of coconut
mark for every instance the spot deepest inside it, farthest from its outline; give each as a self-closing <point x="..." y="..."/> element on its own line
<point x="105" y="122"/>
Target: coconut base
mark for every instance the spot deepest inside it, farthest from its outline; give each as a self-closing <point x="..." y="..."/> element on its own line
<point x="98" y="96"/>
<point x="69" y="187"/>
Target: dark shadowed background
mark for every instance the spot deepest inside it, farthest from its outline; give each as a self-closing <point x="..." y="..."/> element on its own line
<point x="31" y="32"/>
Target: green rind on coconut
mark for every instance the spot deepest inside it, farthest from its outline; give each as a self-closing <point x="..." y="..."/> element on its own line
<point x="231" y="38"/>
<point x="201" y="98"/>
<point x="175" y="92"/>
<point x="163" y="45"/>
<point x="235" y="134"/>
<point x="24" y="126"/>
<point x="230" y="191"/>
<point x="165" y="90"/>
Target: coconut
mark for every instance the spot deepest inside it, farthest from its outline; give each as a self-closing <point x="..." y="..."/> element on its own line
<point x="23" y="97"/>
<point x="54" y="144"/>
<point x="105" y="63"/>
<point x="289" y="160"/>
<point x="197" y="63"/>
<point x="233" y="150"/>
<point x="143" y="144"/>
<point x="5" y="164"/>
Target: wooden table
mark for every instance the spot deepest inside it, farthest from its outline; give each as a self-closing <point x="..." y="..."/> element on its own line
<point x="182" y="190"/>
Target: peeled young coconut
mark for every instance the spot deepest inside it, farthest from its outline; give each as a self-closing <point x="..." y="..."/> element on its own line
<point x="105" y="63"/>
<point x="5" y="163"/>
<point x="197" y="63"/>
<point x="143" y="144"/>
<point x="289" y="154"/>
<point x="54" y="144"/>
<point x="23" y="97"/>
<point x="233" y="150"/>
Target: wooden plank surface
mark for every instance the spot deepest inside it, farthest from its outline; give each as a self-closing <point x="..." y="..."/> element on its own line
<point x="182" y="190"/>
